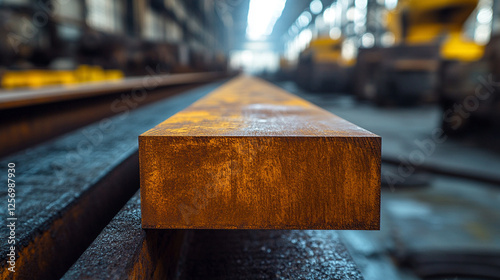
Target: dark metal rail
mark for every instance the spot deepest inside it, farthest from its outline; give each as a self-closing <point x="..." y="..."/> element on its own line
<point x="28" y="118"/>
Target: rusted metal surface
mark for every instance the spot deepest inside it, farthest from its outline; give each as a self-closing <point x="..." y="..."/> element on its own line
<point x="31" y="117"/>
<point x="21" y="98"/>
<point x="251" y="156"/>
<point x="73" y="186"/>
<point x="125" y="251"/>
<point x="267" y="254"/>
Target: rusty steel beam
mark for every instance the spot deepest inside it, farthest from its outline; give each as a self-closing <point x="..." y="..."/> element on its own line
<point x="252" y="156"/>
<point x="22" y="98"/>
<point x="28" y="118"/>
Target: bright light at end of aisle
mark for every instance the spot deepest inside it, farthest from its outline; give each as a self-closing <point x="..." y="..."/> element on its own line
<point x="262" y="15"/>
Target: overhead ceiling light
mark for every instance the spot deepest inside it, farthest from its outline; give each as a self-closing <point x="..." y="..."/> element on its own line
<point x="391" y="4"/>
<point x="262" y="15"/>
<point x="329" y="14"/>
<point x="368" y="40"/>
<point x="360" y="4"/>
<point x="485" y="15"/>
<point x="335" y="33"/>
<point x="304" y="19"/>
<point x="293" y="30"/>
<point x="316" y="7"/>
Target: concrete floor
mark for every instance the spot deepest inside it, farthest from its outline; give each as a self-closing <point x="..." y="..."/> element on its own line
<point x="421" y="213"/>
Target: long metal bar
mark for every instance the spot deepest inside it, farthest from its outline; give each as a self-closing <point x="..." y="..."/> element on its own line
<point x="28" y="118"/>
<point x="21" y="98"/>
<point x="252" y="156"/>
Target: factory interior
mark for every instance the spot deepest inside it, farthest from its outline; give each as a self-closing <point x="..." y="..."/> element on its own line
<point x="372" y="129"/>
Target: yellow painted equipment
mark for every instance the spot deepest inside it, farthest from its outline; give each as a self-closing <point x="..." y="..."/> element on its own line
<point x="421" y="22"/>
<point x="326" y="50"/>
<point x="456" y="47"/>
<point x="41" y="78"/>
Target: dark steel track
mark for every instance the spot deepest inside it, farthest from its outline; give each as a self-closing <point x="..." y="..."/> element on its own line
<point x="28" y="118"/>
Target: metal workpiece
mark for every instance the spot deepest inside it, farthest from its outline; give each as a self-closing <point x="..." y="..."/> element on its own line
<point x="252" y="156"/>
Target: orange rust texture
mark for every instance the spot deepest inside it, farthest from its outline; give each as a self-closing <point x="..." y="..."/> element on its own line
<point x="251" y="156"/>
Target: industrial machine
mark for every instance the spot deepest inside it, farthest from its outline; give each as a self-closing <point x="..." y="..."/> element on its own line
<point x="424" y="32"/>
<point x="321" y="66"/>
<point x="468" y="91"/>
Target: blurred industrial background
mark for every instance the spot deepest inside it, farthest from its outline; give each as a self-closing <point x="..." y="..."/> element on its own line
<point x="422" y="74"/>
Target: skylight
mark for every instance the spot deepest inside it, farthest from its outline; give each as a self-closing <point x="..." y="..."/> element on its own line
<point x="262" y="15"/>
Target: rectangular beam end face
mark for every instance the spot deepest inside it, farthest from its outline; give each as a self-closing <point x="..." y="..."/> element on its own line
<point x="252" y="156"/>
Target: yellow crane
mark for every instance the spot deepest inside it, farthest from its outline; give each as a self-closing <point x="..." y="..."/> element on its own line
<point x="420" y="22"/>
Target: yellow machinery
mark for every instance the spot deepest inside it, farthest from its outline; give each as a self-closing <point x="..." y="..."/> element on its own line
<point x="327" y="51"/>
<point x="420" y="22"/>
<point x="425" y="32"/>
<point x="323" y="67"/>
<point x="41" y="78"/>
